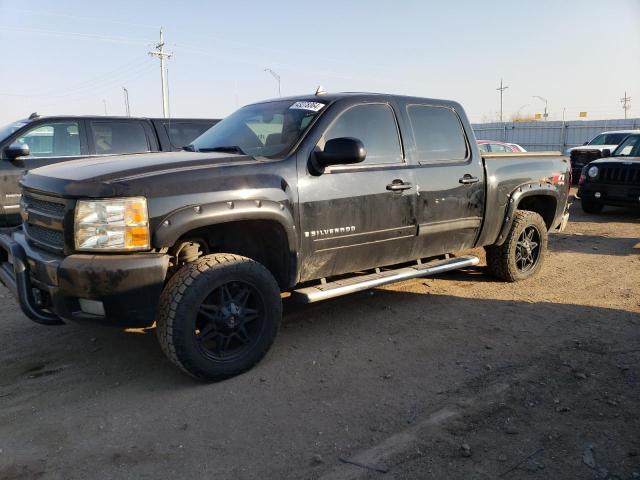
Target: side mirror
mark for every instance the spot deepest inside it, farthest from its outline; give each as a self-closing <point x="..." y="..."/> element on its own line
<point x="16" y="150"/>
<point x="341" y="151"/>
<point x="606" y="153"/>
<point x="585" y="143"/>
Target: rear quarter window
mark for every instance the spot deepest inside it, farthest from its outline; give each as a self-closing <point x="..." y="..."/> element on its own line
<point x="184" y="133"/>
<point x="438" y="134"/>
<point x="113" y="137"/>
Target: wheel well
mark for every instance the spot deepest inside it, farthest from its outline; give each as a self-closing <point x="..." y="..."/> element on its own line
<point x="544" y="205"/>
<point x="261" y="240"/>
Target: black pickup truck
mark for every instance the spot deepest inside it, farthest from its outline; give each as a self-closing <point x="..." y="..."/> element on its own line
<point x="290" y="195"/>
<point x="38" y="141"/>
<point x="613" y="179"/>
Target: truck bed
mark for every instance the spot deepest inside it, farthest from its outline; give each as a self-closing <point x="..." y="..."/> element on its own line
<point x="507" y="172"/>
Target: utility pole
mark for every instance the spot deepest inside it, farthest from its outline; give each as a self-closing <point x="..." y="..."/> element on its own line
<point x="276" y="76"/>
<point x="126" y="101"/>
<point x="104" y="102"/>
<point x="626" y="104"/>
<point x="162" y="55"/>
<point x="545" y="115"/>
<point x="501" y="89"/>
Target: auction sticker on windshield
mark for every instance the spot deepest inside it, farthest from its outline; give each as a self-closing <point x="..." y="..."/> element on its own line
<point x="312" y="106"/>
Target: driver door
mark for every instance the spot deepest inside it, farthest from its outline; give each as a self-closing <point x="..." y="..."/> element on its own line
<point x="49" y="142"/>
<point x="360" y="216"/>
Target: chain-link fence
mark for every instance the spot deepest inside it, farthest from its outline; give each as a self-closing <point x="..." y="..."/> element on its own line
<point x="556" y="135"/>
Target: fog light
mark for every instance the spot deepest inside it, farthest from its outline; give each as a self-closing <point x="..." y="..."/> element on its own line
<point x="93" y="307"/>
<point x="597" y="195"/>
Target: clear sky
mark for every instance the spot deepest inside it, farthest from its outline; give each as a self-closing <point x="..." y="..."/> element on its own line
<point x="67" y="56"/>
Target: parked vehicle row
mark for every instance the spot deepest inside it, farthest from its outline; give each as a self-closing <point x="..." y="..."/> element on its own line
<point x="293" y="194"/>
<point x="39" y="141"/>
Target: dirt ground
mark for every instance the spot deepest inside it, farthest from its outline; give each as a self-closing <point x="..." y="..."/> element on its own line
<point x="455" y="377"/>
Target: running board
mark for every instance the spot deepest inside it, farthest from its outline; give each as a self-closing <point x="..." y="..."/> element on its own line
<point x="365" y="282"/>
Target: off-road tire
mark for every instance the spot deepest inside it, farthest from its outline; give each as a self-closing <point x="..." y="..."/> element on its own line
<point x="589" y="205"/>
<point x="501" y="260"/>
<point x="182" y="297"/>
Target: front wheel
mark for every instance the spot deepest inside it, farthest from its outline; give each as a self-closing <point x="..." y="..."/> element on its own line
<point x="218" y="316"/>
<point x="524" y="250"/>
<point x="590" y="205"/>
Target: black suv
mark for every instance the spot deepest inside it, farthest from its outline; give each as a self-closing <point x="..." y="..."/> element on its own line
<point x="614" y="179"/>
<point x="38" y="141"/>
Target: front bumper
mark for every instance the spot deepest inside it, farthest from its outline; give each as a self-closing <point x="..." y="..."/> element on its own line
<point x="50" y="288"/>
<point x="611" y="194"/>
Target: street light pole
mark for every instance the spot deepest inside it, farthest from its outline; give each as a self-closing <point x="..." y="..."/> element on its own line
<point x="126" y="101"/>
<point x="501" y="89"/>
<point x="545" y="115"/>
<point x="277" y="78"/>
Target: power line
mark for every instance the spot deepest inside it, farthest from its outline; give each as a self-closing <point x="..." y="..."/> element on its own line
<point x="162" y="55"/>
<point x="116" y="74"/>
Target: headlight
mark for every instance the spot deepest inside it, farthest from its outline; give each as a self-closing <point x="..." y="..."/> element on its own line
<point x="114" y="224"/>
<point x="593" y="172"/>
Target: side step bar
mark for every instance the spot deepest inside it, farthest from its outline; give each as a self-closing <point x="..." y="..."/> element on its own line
<point x="365" y="282"/>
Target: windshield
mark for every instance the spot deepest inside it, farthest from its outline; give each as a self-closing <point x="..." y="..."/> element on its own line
<point x="608" y="139"/>
<point x="629" y="148"/>
<point x="9" y="129"/>
<point x="264" y="129"/>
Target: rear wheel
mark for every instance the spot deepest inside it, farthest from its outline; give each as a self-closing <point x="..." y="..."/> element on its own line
<point x="524" y="250"/>
<point x="219" y="315"/>
<point x="590" y="205"/>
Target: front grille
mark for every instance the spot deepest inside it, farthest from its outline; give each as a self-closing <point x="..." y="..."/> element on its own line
<point x="45" y="236"/>
<point x="44" y="221"/>
<point x="621" y="174"/>
<point x="44" y="206"/>
<point x="579" y="158"/>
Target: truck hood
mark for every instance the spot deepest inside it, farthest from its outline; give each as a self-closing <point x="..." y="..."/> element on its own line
<point x="592" y="147"/>
<point x="96" y="176"/>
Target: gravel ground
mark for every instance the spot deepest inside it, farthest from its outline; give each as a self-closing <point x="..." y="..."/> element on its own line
<point x="459" y="376"/>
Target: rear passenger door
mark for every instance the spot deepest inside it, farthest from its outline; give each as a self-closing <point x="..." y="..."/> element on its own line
<point x="117" y="137"/>
<point x="449" y="180"/>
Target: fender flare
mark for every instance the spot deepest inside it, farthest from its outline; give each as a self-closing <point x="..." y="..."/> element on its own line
<point x="191" y="217"/>
<point x="516" y="196"/>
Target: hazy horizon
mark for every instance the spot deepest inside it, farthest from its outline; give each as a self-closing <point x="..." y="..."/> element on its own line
<point x="72" y="57"/>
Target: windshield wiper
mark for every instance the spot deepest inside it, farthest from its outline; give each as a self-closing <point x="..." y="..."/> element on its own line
<point x="225" y="148"/>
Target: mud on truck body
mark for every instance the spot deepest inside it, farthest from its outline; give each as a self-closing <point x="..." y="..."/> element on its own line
<point x="289" y="195"/>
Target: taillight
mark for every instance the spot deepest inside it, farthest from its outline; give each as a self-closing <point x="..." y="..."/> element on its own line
<point x="583" y="177"/>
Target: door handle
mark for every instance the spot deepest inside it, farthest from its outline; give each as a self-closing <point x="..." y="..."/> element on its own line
<point x="398" y="185"/>
<point x="468" y="179"/>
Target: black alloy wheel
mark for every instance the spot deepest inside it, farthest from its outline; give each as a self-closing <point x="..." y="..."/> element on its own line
<point x="528" y="249"/>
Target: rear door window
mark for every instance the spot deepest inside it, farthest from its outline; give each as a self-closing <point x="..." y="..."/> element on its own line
<point x="55" y="139"/>
<point x="438" y="134"/>
<point x="375" y="126"/>
<point x="113" y="137"/>
<point x="184" y="133"/>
